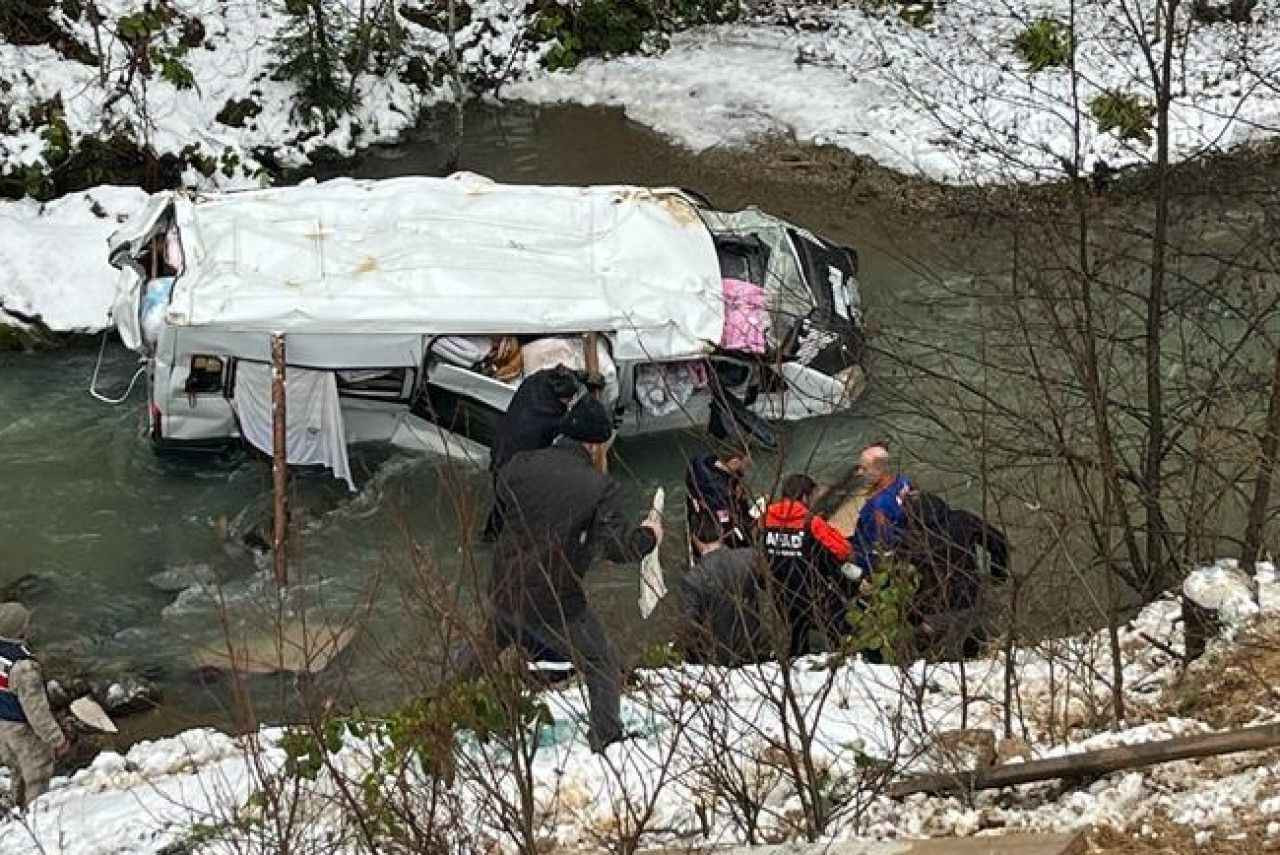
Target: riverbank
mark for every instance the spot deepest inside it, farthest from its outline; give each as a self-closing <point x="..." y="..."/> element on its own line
<point x="196" y="790"/>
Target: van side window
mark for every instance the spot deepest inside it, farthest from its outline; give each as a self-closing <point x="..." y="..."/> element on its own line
<point x="206" y="376"/>
<point x="385" y="383"/>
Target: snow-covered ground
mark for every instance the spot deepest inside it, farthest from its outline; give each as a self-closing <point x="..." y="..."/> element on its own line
<point x="697" y="723"/>
<point x="939" y="100"/>
<point x="952" y="100"/>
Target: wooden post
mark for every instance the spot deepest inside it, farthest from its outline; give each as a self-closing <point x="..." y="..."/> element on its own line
<point x="279" y="460"/>
<point x="590" y="345"/>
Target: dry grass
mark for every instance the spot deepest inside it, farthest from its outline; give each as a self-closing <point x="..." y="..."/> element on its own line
<point x="1168" y="838"/>
<point x="1233" y="687"/>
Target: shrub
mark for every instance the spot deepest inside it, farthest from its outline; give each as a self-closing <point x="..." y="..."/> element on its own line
<point x="1128" y="115"/>
<point x="613" y="27"/>
<point x="1044" y="44"/>
<point x="880" y="621"/>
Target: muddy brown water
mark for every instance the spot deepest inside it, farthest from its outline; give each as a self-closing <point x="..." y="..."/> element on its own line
<point x="92" y="512"/>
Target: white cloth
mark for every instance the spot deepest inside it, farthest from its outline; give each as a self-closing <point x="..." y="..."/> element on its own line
<point x="653" y="586"/>
<point x="314" y="432"/>
<point x="571" y="353"/>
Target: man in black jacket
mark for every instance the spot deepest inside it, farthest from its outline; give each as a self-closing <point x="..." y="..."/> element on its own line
<point x="532" y="421"/>
<point x="560" y="513"/>
<point x="714" y="485"/>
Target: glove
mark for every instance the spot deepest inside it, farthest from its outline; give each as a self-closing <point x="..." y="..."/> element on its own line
<point x="851" y="571"/>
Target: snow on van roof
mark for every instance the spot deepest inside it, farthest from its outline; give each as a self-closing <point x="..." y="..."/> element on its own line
<point x="457" y="255"/>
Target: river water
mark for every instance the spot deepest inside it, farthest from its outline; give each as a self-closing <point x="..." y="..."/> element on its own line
<point x="93" y="513"/>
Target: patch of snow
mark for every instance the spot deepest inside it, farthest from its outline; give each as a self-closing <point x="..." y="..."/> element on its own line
<point x="1222" y="587"/>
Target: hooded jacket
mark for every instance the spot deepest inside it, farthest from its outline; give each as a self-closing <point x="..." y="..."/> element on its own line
<point x="799" y="543"/>
<point x="533" y="416"/>
<point x="561" y="513"/>
<point x="22" y="692"/>
<point x="720" y="492"/>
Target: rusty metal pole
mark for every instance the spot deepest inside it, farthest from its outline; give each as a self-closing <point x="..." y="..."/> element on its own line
<point x="279" y="460"/>
<point x="590" y="342"/>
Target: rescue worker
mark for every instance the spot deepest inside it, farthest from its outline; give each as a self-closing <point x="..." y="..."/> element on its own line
<point x="883" y="518"/>
<point x="532" y="421"/>
<point x="807" y="562"/>
<point x="561" y="512"/>
<point x="714" y="485"/>
<point x="720" y="600"/>
<point x="30" y="737"/>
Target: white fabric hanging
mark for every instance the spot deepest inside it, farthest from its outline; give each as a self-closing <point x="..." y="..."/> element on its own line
<point x="314" y="432"/>
<point x="653" y="586"/>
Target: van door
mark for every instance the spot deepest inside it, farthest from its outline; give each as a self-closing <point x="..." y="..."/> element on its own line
<point x="125" y="248"/>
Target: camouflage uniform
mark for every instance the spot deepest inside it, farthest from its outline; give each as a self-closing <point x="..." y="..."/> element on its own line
<point x="29" y="734"/>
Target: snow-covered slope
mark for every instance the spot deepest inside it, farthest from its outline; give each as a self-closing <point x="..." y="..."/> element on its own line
<point x="154" y="796"/>
<point x="952" y="100"/>
<point x="54" y="257"/>
<point x="234" y="61"/>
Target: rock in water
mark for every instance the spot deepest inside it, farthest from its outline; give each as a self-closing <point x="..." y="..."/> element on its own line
<point x="27" y="588"/>
<point x="183" y="576"/>
<point x="126" y="696"/>
<point x="197" y="598"/>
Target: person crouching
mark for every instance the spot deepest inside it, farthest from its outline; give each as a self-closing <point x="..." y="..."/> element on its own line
<point x="30" y="737"/>
<point x="720" y="600"/>
<point x="811" y="580"/>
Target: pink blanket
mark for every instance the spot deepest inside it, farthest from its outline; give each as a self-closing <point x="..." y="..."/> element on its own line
<point x="744" y="316"/>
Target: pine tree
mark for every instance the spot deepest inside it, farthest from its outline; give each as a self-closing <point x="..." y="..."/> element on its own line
<point x="310" y="51"/>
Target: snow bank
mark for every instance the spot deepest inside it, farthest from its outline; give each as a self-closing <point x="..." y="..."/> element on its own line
<point x="234" y="62"/>
<point x="154" y="795"/>
<point x="951" y="101"/>
<point x="143" y="801"/>
<point x="54" y="257"/>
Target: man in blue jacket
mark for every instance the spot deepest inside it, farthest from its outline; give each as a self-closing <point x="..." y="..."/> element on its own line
<point x="882" y="520"/>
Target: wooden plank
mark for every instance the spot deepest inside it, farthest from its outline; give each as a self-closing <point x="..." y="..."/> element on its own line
<point x="1094" y="763"/>
<point x="298" y="647"/>
<point x="1001" y="844"/>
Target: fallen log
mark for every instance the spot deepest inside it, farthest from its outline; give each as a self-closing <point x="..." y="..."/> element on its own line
<point x="1093" y="763"/>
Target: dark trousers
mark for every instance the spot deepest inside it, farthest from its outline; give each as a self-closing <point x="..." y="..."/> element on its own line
<point x="810" y="600"/>
<point x="493" y="525"/>
<point x="580" y="639"/>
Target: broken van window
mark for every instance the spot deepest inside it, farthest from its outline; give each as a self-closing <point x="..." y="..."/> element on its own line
<point x="206" y="375"/>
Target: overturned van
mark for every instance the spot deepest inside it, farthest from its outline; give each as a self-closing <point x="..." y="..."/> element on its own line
<point x="412" y="308"/>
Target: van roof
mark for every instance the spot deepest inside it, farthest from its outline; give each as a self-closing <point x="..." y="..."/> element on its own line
<point x="457" y="255"/>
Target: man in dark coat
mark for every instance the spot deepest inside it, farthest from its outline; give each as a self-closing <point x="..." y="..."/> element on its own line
<point x="714" y="485"/>
<point x="561" y="513"/>
<point x="532" y="421"/>
<point x="945" y="545"/>
<point x="720" y="600"/>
